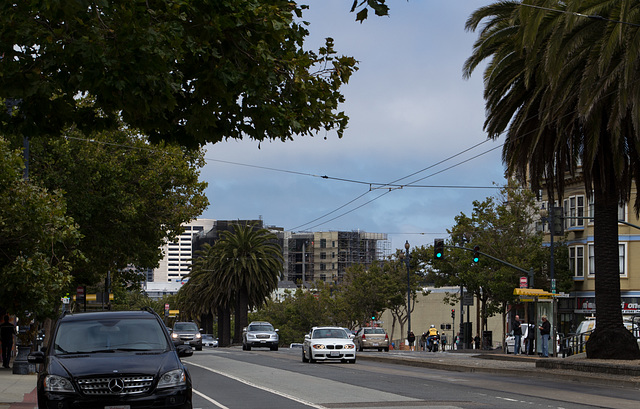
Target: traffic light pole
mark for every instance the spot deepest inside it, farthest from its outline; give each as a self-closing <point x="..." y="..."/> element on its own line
<point x="475" y="250"/>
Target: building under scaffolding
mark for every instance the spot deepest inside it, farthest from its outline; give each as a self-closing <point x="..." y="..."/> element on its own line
<point x="325" y="256"/>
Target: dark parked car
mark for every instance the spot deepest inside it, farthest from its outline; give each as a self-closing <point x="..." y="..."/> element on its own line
<point x="187" y="333"/>
<point x="112" y="359"/>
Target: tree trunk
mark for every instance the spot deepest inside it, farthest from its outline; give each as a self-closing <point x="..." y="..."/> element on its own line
<point x="610" y="339"/>
<point x="224" y="326"/>
<point x="241" y="314"/>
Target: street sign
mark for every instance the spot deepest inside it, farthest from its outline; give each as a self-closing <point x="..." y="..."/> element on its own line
<point x="80" y="293"/>
<point x="524" y="282"/>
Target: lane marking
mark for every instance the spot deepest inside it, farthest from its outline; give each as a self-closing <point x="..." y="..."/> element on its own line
<point x="215" y="402"/>
<point x="254" y="385"/>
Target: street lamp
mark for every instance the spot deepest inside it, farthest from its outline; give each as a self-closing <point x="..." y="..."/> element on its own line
<point x="406" y="260"/>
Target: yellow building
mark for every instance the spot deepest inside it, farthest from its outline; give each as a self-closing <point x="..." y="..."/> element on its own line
<point x="579" y="236"/>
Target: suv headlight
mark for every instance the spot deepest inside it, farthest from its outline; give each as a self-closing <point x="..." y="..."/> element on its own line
<point x="173" y="378"/>
<point x="174" y="335"/>
<point x="55" y="383"/>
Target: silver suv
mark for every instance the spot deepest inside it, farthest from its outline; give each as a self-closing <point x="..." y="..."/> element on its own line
<point x="187" y="333"/>
<point x="260" y="334"/>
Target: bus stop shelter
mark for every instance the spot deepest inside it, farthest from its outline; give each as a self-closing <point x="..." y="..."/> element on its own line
<point x="545" y="303"/>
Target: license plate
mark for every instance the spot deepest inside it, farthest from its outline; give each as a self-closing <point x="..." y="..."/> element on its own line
<point x="118" y="407"/>
<point x="375" y="344"/>
<point x="335" y="353"/>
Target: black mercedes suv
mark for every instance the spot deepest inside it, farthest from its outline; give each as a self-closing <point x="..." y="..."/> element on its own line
<point x="112" y="360"/>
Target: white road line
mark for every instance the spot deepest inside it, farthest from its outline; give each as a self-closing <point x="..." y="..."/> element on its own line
<point x="215" y="402"/>
<point x="235" y="378"/>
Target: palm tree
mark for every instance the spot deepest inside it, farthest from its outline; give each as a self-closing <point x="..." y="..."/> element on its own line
<point x="202" y="294"/>
<point x="248" y="262"/>
<point x="564" y="88"/>
<point x="240" y="270"/>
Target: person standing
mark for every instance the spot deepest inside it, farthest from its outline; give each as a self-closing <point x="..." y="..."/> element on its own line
<point x="545" y="331"/>
<point x="517" y="334"/>
<point x="7" y="331"/>
<point x="531" y="336"/>
<point x="411" y="338"/>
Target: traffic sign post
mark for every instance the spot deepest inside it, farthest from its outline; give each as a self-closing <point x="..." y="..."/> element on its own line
<point x="524" y="282"/>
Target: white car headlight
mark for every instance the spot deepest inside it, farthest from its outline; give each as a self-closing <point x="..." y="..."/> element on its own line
<point x="349" y="346"/>
<point x="318" y="346"/>
<point x="173" y="378"/>
<point x="198" y="335"/>
<point x="54" y="383"/>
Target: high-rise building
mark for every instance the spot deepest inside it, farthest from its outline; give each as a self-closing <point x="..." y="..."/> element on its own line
<point x="176" y="263"/>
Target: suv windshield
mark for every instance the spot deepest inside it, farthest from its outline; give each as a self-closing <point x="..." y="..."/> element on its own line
<point x="185" y="326"/>
<point x="261" y="327"/>
<point x="134" y="334"/>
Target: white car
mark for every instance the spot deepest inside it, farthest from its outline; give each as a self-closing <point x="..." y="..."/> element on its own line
<point x="328" y="344"/>
<point x="511" y="342"/>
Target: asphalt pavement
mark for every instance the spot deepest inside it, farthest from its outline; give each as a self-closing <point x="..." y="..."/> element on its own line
<point x="18" y="391"/>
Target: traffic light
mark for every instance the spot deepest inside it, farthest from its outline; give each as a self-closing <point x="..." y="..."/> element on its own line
<point x="373" y="316"/>
<point x="438" y="249"/>
<point x="557" y="221"/>
<point x="453" y="313"/>
<point x="476" y="254"/>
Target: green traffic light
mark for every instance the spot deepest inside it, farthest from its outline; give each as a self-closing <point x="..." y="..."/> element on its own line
<point x="475" y="259"/>
<point x="438" y="255"/>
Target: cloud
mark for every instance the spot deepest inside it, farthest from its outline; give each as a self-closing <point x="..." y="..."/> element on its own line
<point x="409" y="109"/>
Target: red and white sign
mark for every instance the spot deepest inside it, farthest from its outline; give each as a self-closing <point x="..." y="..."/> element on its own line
<point x="524" y="283"/>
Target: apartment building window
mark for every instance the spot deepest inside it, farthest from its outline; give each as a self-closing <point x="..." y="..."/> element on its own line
<point x="323" y="267"/>
<point x="323" y="256"/>
<point x="574" y="207"/>
<point x="622" y="210"/>
<point x="576" y="260"/>
<point x="323" y="243"/>
<point x="622" y="259"/>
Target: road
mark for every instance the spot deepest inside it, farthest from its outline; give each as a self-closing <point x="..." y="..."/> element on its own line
<point x="234" y="379"/>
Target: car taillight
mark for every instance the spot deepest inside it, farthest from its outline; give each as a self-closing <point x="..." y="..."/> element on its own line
<point x="386" y="337"/>
<point x="363" y="337"/>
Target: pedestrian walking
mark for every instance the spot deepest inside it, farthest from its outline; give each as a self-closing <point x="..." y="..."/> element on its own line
<point x="7" y="332"/>
<point x="545" y="331"/>
<point x="443" y="340"/>
<point x="517" y="334"/>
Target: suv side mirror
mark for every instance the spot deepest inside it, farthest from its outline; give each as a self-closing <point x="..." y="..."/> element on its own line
<point x="244" y="329"/>
<point x="36" y="357"/>
<point x="277" y="330"/>
<point x="307" y="336"/>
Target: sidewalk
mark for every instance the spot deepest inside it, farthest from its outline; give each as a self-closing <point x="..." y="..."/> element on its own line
<point x="575" y="369"/>
<point x="17" y="391"/>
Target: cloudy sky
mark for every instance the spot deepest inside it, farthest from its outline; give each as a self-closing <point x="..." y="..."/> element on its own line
<point x="414" y="121"/>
